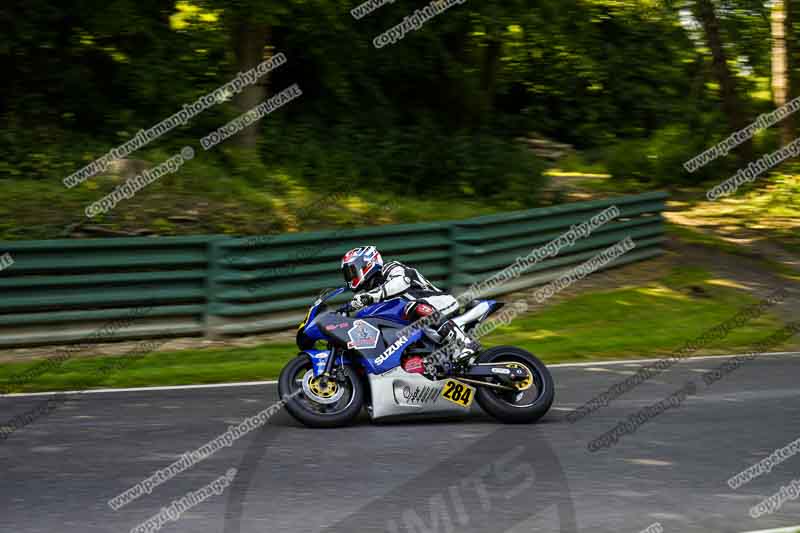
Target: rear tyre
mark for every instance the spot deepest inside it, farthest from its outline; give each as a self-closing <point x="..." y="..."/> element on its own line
<point x="336" y="407"/>
<point x="522" y="406"/>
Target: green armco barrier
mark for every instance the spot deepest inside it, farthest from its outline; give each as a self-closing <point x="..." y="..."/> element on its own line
<point x="102" y="290"/>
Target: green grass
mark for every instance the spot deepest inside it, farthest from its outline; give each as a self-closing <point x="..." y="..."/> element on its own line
<point x="647" y="321"/>
<point x="767" y="209"/>
<point x="642" y="321"/>
<point x="158" y="368"/>
<point x="688" y="235"/>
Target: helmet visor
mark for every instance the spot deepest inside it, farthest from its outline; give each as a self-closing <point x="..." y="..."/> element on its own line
<point x="351" y="273"/>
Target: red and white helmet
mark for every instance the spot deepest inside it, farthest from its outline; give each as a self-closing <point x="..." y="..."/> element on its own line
<point x="360" y="264"/>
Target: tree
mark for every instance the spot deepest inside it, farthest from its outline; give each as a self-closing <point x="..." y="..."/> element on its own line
<point x="249" y="40"/>
<point x="781" y="70"/>
<point x="731" y="103"/>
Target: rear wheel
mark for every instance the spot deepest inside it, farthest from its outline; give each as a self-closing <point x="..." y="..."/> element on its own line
<point x="317" y="403"/>
<point x="531" y="398"/>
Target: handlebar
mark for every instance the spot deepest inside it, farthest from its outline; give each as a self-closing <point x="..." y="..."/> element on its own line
<point x="346" y="308"/>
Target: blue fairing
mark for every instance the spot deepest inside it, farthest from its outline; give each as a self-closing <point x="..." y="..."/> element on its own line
<point x="319" y="358"/>
<point x="392" y="359"/>
<point x="388" y="310"/>
<point x="313" y="332"/>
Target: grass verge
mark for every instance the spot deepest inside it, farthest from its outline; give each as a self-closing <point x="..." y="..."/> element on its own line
<point x="693" y="236"/>
<point x="647" y="321"/>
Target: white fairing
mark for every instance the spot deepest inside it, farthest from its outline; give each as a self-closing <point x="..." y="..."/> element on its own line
<point x="473" y="314"/>
<point x="398" y="393"/>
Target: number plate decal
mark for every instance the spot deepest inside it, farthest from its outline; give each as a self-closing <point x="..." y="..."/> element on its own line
<point x="458" y="393"/>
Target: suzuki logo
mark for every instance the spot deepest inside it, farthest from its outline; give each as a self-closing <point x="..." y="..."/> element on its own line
<point x="401" y="340"/>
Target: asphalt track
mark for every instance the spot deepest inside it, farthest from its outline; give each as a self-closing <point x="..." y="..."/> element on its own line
<point x="454" y="475"/>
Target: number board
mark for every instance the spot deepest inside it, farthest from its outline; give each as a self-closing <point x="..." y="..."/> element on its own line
<point x="458" y="393"/>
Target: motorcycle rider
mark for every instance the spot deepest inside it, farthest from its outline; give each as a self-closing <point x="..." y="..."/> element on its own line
<point x="373" y="281"/>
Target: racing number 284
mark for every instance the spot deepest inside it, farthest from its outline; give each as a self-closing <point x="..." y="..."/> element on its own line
<point x="457" y="392"/>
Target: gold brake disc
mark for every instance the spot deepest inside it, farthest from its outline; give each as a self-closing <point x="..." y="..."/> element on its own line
<point x="323" y="391"/>
<point x="526" y="383"/>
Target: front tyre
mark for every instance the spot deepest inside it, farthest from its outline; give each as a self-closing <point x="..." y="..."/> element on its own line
<point x="530" y="401"/>
<point x="316" y="404"/>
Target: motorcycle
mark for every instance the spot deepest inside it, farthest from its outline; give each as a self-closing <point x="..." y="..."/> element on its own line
<point x="376" y="357"/>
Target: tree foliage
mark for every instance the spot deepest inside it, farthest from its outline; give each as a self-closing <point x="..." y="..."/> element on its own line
<point x="438" y="110"/>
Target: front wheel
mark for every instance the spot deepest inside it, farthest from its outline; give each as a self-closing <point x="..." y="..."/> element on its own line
<point x="531" y="398"/>
<point x="318" y="404"/>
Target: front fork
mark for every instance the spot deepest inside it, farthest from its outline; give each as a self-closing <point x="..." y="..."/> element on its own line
<point x="331" y="372"/>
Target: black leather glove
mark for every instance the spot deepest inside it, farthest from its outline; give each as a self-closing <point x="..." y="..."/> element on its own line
<point x="361" y="300"/>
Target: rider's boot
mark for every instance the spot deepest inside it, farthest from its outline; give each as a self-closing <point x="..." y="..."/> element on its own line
<point x="458" y="344"/>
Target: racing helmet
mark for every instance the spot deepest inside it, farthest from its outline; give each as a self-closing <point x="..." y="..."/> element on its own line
<point x="361" y="264"/>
